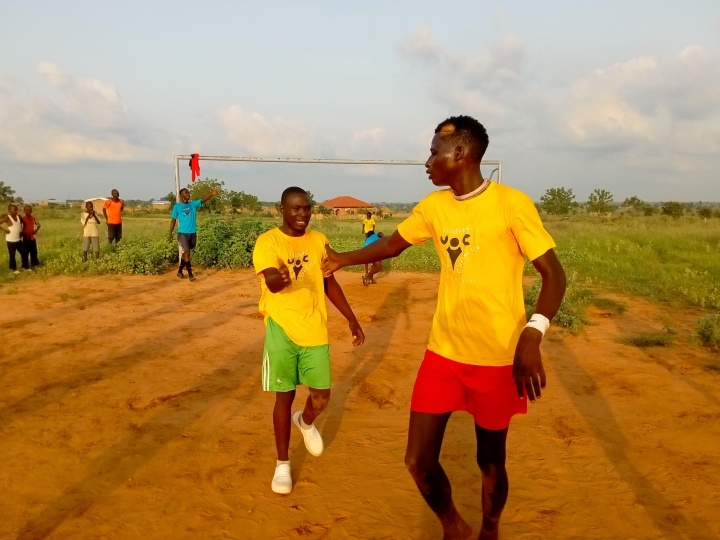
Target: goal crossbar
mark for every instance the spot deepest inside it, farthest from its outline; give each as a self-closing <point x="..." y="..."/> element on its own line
<point x="178" y="158"/>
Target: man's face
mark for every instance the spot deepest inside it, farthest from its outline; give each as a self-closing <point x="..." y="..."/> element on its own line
<point x="13" y="210"/>
<point x="185" y="196"/>
<point x="296" y="211"/>
<point x="440" y="164"/>
<point x="115" y="194"/>
<point x="27" y="210"/>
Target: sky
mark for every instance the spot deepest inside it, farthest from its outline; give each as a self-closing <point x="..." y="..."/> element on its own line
<point x="615" y="95"/>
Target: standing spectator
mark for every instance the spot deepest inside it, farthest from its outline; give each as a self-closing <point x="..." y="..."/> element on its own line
<point x="368" y="226"/>
<point x="31" y="226"/>
<point x="91" y="236"/>
<point x="13" y="235"/>
<point x="113" y="216"/>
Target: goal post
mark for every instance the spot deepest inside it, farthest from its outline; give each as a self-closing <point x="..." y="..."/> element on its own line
<point x="178" y="158"/>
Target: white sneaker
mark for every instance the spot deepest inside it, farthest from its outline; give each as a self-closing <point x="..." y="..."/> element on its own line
<point x="282" y="479"/>
<point x="312" y="437"/>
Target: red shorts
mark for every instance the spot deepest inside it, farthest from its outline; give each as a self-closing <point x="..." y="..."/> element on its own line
<point x="487" y="392"/>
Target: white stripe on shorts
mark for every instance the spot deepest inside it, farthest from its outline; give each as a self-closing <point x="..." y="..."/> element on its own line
<point x="266" y="371"/>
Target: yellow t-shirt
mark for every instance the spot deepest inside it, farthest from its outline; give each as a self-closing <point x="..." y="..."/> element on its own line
<point x="368" y="225"/>
<point x="299" y="309"/>
<point x="482" y="243"/>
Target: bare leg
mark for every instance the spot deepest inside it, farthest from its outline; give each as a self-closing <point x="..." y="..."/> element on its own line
<point x="422" y="458"/>
<point x="491" y="460"/>
<point x="281" y="422"/>
<point x="374" y="269"/>
<point x="315" y="404"/>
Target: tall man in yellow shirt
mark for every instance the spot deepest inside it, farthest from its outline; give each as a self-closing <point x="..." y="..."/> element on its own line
<point x="288" y="262"/>
<point x="482" y="356"/>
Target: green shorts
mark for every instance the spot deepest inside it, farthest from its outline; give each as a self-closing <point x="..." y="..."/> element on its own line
<point x="286" y="365"/>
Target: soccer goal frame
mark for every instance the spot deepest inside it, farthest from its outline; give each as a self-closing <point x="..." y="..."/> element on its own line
<point x="178" y="158"/>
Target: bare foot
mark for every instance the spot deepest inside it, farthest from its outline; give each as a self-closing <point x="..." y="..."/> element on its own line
<point x="489" y="531"/>
<point x="456" y="528"/>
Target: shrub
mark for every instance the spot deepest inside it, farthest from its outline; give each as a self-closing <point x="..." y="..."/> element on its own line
<point x="708" y="331"/>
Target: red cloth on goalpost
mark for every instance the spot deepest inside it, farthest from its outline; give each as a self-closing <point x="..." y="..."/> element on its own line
<point x="194" y="166"/>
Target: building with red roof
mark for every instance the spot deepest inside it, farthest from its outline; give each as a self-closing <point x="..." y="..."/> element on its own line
<point x="348" y="207"/>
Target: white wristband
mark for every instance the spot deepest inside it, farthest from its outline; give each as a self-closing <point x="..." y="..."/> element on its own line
<point x="538" y="322"/>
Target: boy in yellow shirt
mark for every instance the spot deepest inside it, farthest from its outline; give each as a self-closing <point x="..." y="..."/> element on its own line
<point x="482" y="355"/>
<point x="288" y="261"/>
<point x="368" y="226"/>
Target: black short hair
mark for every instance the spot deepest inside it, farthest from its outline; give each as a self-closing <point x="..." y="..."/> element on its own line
<point x="184" y="189"/>
<point x="468" y="132"/>
<point x="289" y="191"/>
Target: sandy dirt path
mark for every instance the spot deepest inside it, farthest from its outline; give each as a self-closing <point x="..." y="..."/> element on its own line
<point x="131" y="407"/>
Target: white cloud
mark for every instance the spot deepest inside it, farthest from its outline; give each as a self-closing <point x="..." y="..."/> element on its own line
<point x="477" y="84"/>
<point x="373" y="135"/>
<point x="672" y="104"/>
<point x="82" y="120"/>
<point x="266" y="137"/>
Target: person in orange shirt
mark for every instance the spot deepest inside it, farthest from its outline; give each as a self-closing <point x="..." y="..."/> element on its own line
<point x="112" y="210"/>
<point x="483" y="356"/>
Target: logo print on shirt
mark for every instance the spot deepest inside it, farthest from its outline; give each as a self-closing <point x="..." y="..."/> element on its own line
<point x="186" y="211"/>
<point x="297" y="264"/>
<point x="455" y="249"/>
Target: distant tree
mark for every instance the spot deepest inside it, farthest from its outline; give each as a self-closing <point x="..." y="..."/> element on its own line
<point x="600" y="202"/>
<point x="171" y="197"/>
<point x="673" y="209"/>
<point x="240" y="200"/>
<point x="558" y="201"/>
<point x="7" y="193"/>
<point x="202" y="188"/>
<point x="634" y="202"/>
<point x="131" y="203"/>
<point x="312" y="197"/>
<point x="705" y="212"/>
<point x="323" y="210"/>
<point x="649" y="210"/>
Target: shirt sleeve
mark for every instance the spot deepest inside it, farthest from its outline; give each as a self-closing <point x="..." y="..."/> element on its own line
<point x="531" y="236"/>
<point x="174" y="213"/>
<point x="197" y="203"/>
<point x="264" y="255"/>
<point x="82" y="217"/>
<point x="107" y="204"/>
<point x="416" y="229"/>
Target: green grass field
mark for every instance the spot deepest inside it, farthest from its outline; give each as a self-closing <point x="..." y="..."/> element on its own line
<point x="656" y="258"/>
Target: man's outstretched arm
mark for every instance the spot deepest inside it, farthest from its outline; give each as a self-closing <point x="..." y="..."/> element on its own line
<point x="384" y="248"/>
<point x="528" y="370"/>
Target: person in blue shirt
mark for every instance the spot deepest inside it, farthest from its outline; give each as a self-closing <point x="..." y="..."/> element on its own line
<point x="185" y="212"/>
<point x="369" y="277"/>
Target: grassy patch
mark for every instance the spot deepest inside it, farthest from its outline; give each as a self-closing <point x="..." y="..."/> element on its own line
<point x="648" y="340"/>
<point x="609" y="304"/>
<point x="708" y="331"/>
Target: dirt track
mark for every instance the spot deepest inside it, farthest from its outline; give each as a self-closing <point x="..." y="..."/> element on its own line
<point x="131" y="407"/>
